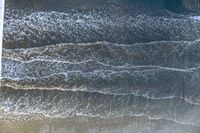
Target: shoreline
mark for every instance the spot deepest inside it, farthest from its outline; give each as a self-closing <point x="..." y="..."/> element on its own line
<point x="92" y="125"/>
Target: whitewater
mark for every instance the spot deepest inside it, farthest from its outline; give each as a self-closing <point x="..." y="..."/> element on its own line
<point x="110" y="65"/>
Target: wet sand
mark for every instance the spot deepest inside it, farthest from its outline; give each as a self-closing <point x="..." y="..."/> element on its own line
<point x="137" y="124"/>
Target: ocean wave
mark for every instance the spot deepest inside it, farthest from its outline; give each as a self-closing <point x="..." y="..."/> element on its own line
<point x="172" y="54"/>
<point x="152" y="82"/>
<point x="52" y="27"/>
<point x="144" y="69"/>
<point x="69" y="103"/>
<point x="101" y="59"/>
<point x="177" y="6"/>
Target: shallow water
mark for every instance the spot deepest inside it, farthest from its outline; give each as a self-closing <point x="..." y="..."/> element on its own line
<point x="100" y="67"/>
<point x="137" y="124"/>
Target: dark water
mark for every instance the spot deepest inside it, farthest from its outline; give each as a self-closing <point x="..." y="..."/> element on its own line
<point x="110" y="65"/>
